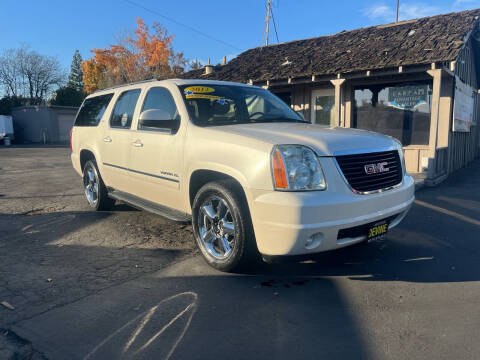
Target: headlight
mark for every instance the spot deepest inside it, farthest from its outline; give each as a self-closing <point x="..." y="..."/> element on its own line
<point x="296" y="168"/>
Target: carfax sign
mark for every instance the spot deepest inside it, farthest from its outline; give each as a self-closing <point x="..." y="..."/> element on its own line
<point x="407" y="97"/>
<point x="463" y="106"/>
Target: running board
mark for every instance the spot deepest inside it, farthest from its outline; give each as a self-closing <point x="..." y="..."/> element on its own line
<point x="149" y="206"/>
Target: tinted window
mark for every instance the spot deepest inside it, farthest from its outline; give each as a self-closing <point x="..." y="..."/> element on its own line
<point x="122" y="114"/>
<point x="398" y="110"/>
<point x="92" y="110"/>
<point x="161" y="99"/>
<point x="214" y="105"/>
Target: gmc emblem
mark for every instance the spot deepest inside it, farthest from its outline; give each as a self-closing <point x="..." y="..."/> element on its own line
<point x="376" y="168"/>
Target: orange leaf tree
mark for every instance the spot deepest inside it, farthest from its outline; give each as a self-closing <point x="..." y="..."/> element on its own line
<point x="137" y="56"/>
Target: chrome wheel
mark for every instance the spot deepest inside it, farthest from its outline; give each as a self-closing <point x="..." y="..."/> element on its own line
<point x="216" y="227"/>
<point x="90" y="182"/>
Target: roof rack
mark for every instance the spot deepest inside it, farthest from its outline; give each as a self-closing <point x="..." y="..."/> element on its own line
<point x="128" y="84"/>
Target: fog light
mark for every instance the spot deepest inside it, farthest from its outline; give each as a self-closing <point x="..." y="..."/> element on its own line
<point x="313" y="241"/>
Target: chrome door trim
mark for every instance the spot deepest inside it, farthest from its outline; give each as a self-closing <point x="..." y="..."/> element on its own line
<point x="142" y="173"/>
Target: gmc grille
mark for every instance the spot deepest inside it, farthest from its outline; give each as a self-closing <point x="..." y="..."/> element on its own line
<point x="371" y="171"/>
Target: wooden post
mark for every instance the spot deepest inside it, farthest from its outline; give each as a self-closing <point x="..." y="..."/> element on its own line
<point x="434" y="119"/>
<point x="338" y="100"/>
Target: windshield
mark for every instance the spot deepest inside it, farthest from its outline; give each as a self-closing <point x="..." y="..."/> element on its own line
<point x="214" y="105"/>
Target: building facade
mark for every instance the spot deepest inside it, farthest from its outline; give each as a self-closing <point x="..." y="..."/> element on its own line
<point x="415" y="80"/>
<point x="43" y="124"/>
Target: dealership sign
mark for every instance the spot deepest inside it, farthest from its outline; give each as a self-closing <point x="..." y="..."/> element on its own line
<point x="407" y="97"/>
<point x="463" y="106"/>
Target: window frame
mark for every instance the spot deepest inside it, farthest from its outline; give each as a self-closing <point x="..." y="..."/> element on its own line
<point x="134" y="109"/>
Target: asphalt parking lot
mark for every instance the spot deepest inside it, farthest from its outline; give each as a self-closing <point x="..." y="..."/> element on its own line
<point x="128" y="284"/>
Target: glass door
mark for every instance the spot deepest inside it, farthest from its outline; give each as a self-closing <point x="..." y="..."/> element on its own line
<point x="323" y="107"/>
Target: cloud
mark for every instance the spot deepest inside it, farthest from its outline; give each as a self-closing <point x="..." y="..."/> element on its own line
<point x="413" y="10"/>
<point x="465" y="4"/>
<point x="407" y="11"/>
<point x="379" y="11"/>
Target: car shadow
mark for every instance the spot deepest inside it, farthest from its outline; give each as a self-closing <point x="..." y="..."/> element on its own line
<point x="53" y="263"/>
<point x="101" y="293"/>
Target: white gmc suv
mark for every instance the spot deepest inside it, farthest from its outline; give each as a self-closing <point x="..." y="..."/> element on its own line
<point x="252" y="175"/>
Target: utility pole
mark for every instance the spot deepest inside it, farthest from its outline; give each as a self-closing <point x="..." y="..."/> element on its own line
<point x="267" y="22"/>
<point x="398" y="5"/>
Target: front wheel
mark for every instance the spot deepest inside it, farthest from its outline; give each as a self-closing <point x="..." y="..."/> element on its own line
<point x="95" y="190"/>
<point x="222" y="226"/>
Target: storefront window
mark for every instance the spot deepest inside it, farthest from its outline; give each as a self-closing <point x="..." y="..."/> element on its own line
<point x="323" y="107"/>
<point x="399" y="110"/>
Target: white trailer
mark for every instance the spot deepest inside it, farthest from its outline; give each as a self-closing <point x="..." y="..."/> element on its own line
<point x="6" y="127"/>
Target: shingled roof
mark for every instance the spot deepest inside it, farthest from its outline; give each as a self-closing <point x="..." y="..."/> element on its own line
<point x="421" y="41"/>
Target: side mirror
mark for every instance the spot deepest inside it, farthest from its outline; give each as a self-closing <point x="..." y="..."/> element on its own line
<point x="158" y="119"/>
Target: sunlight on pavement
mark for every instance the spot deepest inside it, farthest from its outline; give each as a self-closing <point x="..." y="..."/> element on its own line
<point x="448" y="212"/>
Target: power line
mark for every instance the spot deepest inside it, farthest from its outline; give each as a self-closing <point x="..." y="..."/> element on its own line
<point x="275" y="26"/>
<point x="181" y="24"/>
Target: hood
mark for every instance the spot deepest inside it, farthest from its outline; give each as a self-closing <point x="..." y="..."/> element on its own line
<point x="324" y="140"/>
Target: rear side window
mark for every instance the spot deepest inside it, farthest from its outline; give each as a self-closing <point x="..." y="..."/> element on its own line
<point x="92" y="110"/>
<point x="122" y="114"/>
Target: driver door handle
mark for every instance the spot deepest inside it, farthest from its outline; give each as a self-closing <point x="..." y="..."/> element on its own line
<point x="137" y="143"/>
<point x="107" y="139"/>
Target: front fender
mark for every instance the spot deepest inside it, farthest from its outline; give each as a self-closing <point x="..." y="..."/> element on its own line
<point x="219" y="168"/>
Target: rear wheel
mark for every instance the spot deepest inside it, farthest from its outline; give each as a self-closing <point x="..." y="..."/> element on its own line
<point x="95" y="190"/>
<point x="222" y="226"/>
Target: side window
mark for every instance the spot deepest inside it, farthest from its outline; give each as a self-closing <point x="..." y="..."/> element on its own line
<point x="92" y="110"/>
<point x="160" y="98"/>
<point x="122" y="114"/>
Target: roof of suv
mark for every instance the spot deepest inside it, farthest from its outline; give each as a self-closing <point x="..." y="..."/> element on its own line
<point x="177" y="82"/>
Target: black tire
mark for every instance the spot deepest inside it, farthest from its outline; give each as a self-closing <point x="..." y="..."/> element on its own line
<point x="100" y="201"/>
<point x="244" y="252"/>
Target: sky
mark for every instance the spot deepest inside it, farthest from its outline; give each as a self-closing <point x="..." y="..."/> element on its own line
<point x="201" y="29"/>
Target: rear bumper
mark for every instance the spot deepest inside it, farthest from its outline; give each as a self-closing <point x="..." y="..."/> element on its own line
<point x="76" y="163"/>
<point x="284" y="221"/>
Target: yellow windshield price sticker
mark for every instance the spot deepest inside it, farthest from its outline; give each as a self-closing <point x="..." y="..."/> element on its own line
<point x="198" y="90"/>
<point x="202" y="96"/>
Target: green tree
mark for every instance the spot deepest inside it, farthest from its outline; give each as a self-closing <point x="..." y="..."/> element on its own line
<point x="75" y="79"/>
<point x="7" y="103"/>
<point x="67" y="96"/>
<point x="195" y="65"/>
<point x="72" y="94"/>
